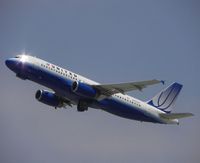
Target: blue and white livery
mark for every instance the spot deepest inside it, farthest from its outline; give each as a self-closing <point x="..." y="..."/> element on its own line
<point x="68" y="89"/>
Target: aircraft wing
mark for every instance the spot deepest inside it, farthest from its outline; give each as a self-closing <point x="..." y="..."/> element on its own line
<point x="110" y="89"/>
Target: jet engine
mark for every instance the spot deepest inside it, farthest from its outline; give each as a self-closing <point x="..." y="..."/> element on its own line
<point x="48" y="98"/>
<point x="84" y="90"/>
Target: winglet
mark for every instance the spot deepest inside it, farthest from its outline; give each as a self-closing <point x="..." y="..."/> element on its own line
<point x="163" y="82"/>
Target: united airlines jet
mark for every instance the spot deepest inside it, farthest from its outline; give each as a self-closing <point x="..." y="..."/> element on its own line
<point x="68" y="89"/>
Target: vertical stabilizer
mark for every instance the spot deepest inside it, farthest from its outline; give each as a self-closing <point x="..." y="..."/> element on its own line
<point x="166" y="98"/>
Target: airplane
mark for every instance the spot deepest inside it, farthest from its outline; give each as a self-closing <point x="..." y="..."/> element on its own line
<point x="68" y="88"/>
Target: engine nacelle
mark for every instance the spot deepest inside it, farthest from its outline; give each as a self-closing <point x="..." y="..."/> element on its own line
<point x="84" y="90"/>
<point x="48" y="98"/>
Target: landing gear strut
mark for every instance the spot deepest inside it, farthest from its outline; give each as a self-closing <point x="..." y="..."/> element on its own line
<point x="82" y="106"/>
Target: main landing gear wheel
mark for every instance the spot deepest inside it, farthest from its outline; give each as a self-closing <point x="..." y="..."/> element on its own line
<point x="82" y="106"/>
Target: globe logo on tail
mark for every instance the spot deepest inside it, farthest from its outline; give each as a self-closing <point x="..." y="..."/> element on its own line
<point x="166" y="98"/>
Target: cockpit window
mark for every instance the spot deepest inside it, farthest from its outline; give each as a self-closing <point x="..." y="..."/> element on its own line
<point x="18" y="56"/>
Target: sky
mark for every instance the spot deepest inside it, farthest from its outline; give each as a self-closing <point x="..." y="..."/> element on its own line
<point x="109" y="41"/>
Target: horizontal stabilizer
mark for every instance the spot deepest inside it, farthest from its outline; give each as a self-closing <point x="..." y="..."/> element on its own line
<point x="176" y="115"/>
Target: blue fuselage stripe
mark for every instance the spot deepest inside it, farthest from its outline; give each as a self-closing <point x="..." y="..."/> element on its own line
<point x="62" y="86"/>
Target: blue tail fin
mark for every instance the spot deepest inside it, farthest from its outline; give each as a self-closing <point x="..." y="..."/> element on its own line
<point x="166" y="98"/>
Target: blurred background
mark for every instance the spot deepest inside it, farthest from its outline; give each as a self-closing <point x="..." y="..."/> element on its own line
<point x="109" y="41"/>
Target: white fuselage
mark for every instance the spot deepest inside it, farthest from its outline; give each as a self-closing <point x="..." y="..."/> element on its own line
<point x="55" y="77"/>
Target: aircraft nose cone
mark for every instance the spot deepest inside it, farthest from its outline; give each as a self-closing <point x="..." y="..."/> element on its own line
<point x="10" y="63"/>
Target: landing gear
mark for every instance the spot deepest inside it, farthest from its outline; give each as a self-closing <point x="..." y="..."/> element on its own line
<point x="82" y="106"/>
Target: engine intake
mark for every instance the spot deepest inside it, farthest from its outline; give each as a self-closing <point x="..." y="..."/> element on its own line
<point x="84" y="90"/>
<point x="48" y="98"/>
